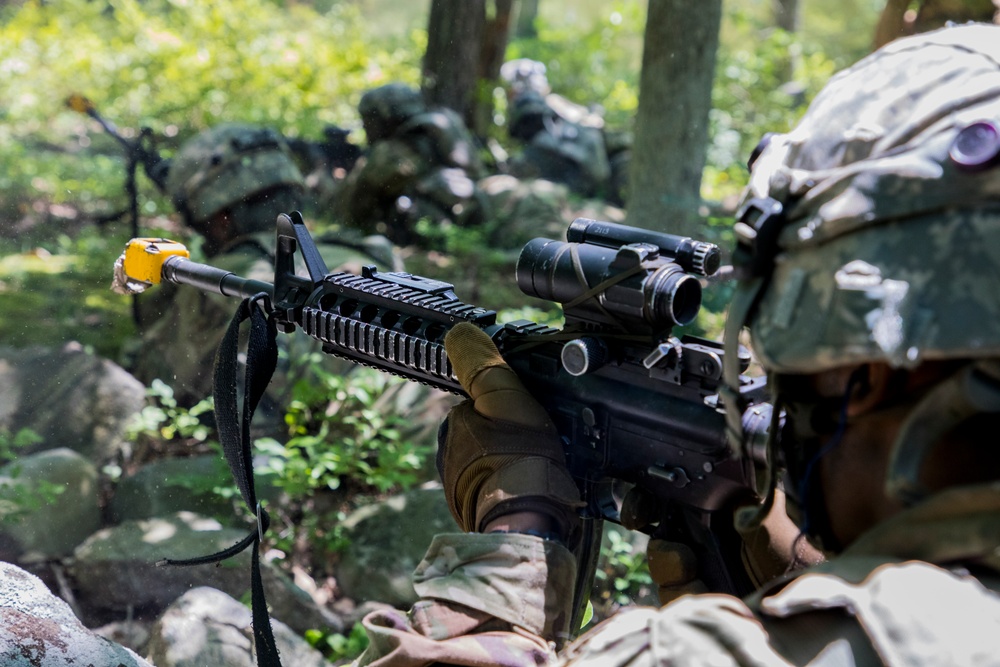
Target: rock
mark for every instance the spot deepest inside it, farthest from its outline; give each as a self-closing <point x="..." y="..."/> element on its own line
<point x="131" y="634"/>
<point x="69" y="397"/>
<point x="387" y="543"/>
<point x="37" y="629"/>
<point x="49" y="524"/>
<point x="114" y="570"/>
<point x="173" y="485"/>
<point x="207" y="627"/>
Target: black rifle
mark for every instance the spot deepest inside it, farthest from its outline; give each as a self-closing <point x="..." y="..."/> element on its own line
<point x="138" y="151"/>
<point x="333" y="153"/>
<point x="638" y="409"/>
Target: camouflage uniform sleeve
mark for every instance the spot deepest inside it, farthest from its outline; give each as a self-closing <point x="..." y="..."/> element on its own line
<point x="497" y="599"/>
<point x="695" y="631"/>
<point x="377" y="180"/>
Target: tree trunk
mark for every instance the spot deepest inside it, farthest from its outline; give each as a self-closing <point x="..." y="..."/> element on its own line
<point x="671" y="129"/>
<point x="890" y="22"/>
<point x="527" y="12"/>
<point x="496" y="34"/>
<point x="934" y="13"/>
<point x="786" y="14"/>
<point x="786" y="17"/>
<point x="454" y="32"/>
<point x="898" y="20"/>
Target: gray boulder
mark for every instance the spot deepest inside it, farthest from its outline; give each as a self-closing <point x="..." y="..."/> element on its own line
<point x="69" y="397"/>
<point x="46" y="523"/>
<point x="115" y="570"/>
<point x="173" y="485"/>
<point x="387" y="541"/>
<point x="37" y="629"/>
<point x="207" y="627"/>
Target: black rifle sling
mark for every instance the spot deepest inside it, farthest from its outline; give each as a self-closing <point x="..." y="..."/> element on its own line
<point x="234" y="434"/>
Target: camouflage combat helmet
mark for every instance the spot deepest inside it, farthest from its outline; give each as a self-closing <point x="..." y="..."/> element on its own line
<point x="235" y="166"/>
<point x="524" y="74"/>
<point x="871" y="232"/>
<point x="385" y="108"/>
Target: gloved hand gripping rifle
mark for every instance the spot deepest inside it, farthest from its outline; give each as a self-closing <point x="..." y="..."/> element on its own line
<point x="637" y="408"/>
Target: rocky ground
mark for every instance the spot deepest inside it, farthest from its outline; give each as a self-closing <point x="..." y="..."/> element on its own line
<point x="79" y="580"/>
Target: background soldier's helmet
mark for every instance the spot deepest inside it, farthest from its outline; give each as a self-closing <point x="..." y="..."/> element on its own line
<point x="244" y="169"/>
<point x="527" y="88"/>
<point x="524" y="74"/>
<point x="385" y="108"/>
<point x="888" y="248"/>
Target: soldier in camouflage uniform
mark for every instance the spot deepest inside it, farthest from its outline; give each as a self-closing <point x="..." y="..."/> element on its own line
<point x="870" y="290"/>
<point x="563" y="141"/>
<point x="420" y="163"/>
<point x="230" y="183"/>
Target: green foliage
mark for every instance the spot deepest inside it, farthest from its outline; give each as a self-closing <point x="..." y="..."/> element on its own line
<point x="163" y="427"/>
<point x="621" y="577"/>
<point x="761" y="85"/>
<point x="177" y="66"/>
<point x="595" y="63"/>
<point x="10" y="443"/>
<point x="337" y="647"/>
<point x="344" y="442"/>
<point x="58" y="290"/>
<point x="339" y="434"/>
<point x="17" y="497"/>
<point x="163" y="419"/>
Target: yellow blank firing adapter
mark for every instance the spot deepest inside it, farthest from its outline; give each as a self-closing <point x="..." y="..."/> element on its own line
<point x="141" y="265"/>
<point x="79" y="103"/>
<point x="144" y="258"/>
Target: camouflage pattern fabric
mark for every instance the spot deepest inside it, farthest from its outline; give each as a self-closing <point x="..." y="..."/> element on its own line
<point x="882" y="602"/>
<point x="885" y="231"/>
<point x="229" y="164"/>
<point x="565" y="143"/>
<point x="495" y="599"/>
<point x="426" y="167"/>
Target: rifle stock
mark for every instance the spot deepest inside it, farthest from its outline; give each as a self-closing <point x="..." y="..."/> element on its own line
<point x="638" y="410"/>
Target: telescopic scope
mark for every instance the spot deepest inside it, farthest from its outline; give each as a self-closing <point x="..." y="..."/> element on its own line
<point x="618" y="273"/>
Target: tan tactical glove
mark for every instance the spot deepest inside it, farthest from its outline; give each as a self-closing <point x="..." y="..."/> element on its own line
<point x="499" y="452"/>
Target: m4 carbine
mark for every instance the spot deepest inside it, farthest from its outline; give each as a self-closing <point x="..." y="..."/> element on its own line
<point x="638" y="409"/>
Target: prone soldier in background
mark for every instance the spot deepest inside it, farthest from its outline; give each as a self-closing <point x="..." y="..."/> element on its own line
<point x="867" y="261"/>
<point x="420" y="163"/>
<point x="230" y="183"/>
<point x="564" y="142"/>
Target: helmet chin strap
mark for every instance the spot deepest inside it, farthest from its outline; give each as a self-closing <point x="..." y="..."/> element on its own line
<point x="973" y="390"/>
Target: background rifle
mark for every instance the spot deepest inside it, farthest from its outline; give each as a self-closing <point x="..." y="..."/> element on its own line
<point x="637" y="408"/>
<point x="136" y="153"/>
<point x="332" y="153"/>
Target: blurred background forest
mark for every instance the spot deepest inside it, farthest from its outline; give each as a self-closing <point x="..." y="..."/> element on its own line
<point x="178" y="67"/>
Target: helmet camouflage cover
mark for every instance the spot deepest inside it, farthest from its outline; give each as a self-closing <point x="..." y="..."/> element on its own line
<point x="888" y="248"/>
<point x="227" y="165"/>
<point x="385" y="108"/>
<point x="524" y="74"/>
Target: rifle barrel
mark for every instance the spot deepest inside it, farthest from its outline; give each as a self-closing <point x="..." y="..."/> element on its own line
<point x="181" y="270"/>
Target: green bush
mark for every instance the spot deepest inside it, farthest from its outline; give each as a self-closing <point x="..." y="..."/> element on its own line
<point x="341" y="447"/>
<point x="176" y="66"/>
<point x="17" y="497"/>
